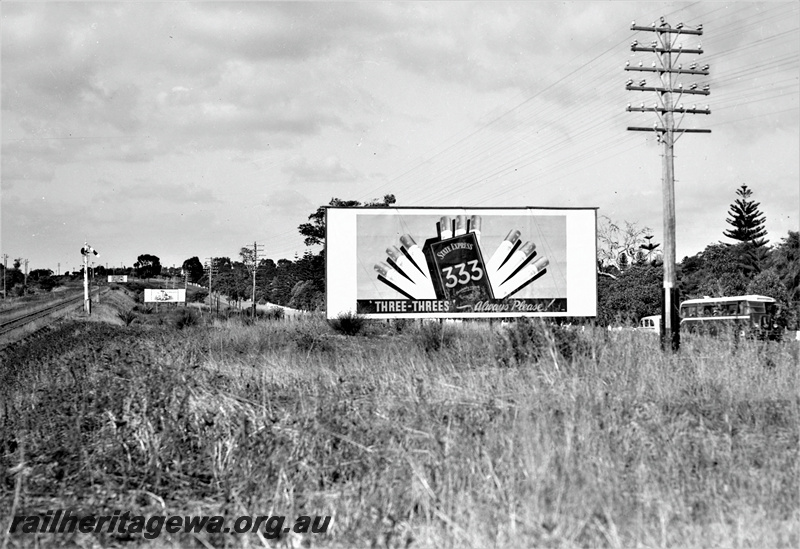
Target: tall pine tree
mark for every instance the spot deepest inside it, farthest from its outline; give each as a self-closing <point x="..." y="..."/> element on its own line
<point x="746" y="219"/>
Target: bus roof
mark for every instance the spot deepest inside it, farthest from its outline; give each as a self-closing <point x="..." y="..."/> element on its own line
<point x="728" y="299"/>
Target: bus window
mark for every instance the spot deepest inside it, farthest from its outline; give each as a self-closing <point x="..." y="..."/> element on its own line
<point x="732" y="309"/>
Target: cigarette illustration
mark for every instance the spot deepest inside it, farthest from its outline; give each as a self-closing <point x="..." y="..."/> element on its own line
<point x="445" y="228"/>
<point x="415" y="253"/>
<point x="461" y="225"/>
<point x="522" y="278"/>
<point x="475" y="227"/>
<point x="423" y="285"/>
<point x="502" y="251"/>
<point x="517" y="258"/>
<point x="398" y="281"/>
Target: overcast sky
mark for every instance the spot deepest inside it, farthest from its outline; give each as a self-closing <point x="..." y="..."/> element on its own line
<point x="185" y="129"/>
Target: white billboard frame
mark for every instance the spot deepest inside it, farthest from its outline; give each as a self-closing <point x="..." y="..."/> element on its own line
<point x="163" y="295"/>
<point x="537" y="262"/>
<point x="118" y="278"/>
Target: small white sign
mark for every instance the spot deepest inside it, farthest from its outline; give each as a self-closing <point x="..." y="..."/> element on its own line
<point x="164" y="296"/>
<point x="117" y="278"/>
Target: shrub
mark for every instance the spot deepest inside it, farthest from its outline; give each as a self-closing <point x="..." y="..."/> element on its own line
<point x="308" y="337"/>
<point x="273" y="313"/>
<point x="185" y="317"/>
<point x="199" y="296"/>
<point x="527" y="340"/>
<point x="400" y="325"/>
<point x="127" y="317"/>
<point x="348" y="323"/>
<point x="523" y="341"/>
<point x="432" y="337"/>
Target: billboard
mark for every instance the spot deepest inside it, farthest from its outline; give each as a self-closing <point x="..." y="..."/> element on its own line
<point x="117" y="278"/>
<point x="164" y="296"/>
<point x="461" y="262"/>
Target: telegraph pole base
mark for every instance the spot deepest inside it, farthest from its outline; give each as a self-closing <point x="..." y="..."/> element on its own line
<point x="670" y="338"/>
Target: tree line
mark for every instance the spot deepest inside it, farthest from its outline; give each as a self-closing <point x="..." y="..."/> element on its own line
<point x="629" y="267"/>
<point x="631" y="277"/>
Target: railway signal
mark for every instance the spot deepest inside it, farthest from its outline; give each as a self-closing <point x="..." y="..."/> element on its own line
<point x="87" y="251"/>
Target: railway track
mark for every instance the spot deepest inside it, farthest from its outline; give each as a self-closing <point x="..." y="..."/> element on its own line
<point x="22" y="320"/>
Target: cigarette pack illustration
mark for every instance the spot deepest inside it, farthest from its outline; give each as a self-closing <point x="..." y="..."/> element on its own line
<point x="452" y="267"/>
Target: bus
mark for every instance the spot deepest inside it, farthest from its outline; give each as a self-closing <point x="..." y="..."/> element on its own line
<point x="741" y="314"/>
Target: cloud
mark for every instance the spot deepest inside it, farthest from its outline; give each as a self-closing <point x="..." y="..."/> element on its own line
<point x="327" y="170"/>
<point x="168" y="193"/>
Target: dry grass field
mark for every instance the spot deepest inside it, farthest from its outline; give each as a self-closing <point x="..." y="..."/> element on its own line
<point x="408" y="435"/>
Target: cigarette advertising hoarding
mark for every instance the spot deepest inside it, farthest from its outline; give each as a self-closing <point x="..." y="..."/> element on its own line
<point x="164" y="296"/>
<point x="117" y="278"/>
<point x="461" y="262"/>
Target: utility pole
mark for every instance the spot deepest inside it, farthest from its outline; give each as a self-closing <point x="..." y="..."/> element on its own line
<point x="211" y="266"/>
<point x="254" y="269"/>
<point x="5" y="274"/>
<point x="667" y="53"/>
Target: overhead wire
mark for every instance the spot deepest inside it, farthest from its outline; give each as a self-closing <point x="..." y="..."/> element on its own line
<point x="500" y="166"/>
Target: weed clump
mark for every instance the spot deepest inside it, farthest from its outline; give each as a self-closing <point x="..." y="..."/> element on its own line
<point x="273" y="313"/>
<point x="308" y="337"/>
<point x="526" y="341"/>
<point x="432" y="337"/>
<point x="348" y="323"/>
<point x="184" y="318"/>
<point x="127" y="316"/>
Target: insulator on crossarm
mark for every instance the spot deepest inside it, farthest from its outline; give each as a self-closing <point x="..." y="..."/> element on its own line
<point x="629" y="82"/>
<point x="627" y="63"/>
<point x="706" y="67"/>
<point x="640" y="63"/>
<point x="706" y="87"/>
<point x="642" y="83"/>
<point x="693" y="66"/>
<point x="653" y="64"/>
<point x="700" y="27"/>
<point x="634" y="43"/>
<point x="693" y="86"/>
<point x="679" y="25"/>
